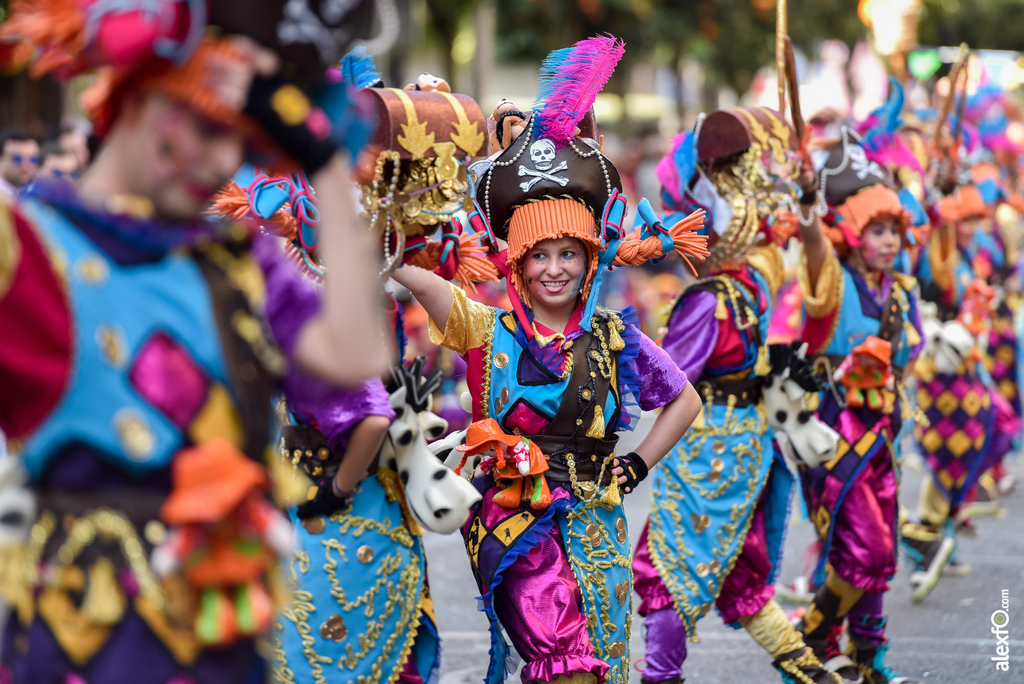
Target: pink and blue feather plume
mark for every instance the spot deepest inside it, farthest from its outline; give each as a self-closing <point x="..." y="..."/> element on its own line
<point x="569" y="82"/>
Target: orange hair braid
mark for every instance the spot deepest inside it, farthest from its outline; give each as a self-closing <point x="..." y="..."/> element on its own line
<point x="688" y="243"/>
<point x="474" y="266"/>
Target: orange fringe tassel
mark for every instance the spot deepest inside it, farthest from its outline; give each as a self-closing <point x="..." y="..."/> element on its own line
<point x="232" y="203"/>
<point x="57" y="27"/>
<point x="687" y="244"/>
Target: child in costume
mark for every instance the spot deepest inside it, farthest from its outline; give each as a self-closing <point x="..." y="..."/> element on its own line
<point x="563" y="374"/>
<point x="720" y="500"/>
<point x="861" y="314"/>
<point x="127" y="343"/>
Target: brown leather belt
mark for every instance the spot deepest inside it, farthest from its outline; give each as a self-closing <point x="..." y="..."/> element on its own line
<point x="588" y="459"/>
<point x="746" y="390"/>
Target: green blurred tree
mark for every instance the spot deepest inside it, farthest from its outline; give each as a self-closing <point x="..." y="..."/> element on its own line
<point x="985" y="24"/>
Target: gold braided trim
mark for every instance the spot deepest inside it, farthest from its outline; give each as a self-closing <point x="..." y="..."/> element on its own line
<point x="668" y="561"/>
<point x="10" y="250"/>
<point x="590" y="572"/>
<point x="397" y="595"/>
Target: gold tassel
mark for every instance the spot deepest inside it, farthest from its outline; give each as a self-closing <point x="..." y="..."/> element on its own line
<point x="612" y="496"/>
<point x="913" y="338"/>
<point x="104" y="602"/>
<point x="721" y="311"/>
<point x="761" y="366"/>
<point x="596" y="429"/>
<point x="615" y="342"/>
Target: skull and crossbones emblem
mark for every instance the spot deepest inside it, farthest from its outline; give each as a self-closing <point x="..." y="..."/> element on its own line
<point x="542" y="154"/>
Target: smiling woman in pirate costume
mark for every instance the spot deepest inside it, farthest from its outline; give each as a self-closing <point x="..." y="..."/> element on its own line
<point x="863" y="323"/>
<point x="553" y="380"/>
<point x="720" y="499"/>
<point x="133" y="345"/>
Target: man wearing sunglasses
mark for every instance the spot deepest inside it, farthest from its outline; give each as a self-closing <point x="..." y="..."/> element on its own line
<point x="58" y="162"/>
<point x="19" y="161"/>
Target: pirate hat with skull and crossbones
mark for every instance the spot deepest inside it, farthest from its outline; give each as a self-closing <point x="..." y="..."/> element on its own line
<point x="552" y="180"/>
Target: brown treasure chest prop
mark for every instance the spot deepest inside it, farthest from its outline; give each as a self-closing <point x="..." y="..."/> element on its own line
<point x="726" y="132"/>
<point x="423" y="142"/>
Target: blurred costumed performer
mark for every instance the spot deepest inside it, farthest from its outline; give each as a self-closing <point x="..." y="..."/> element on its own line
<point x="696" y="551"/>
<point x="864" y="325"/>
<point x="132" y="337"/>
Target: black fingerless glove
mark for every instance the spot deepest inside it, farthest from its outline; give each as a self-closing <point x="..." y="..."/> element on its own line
<point x="635" y="470"/>
<point x="291" y="119"/>
<point x="326" y="502"/>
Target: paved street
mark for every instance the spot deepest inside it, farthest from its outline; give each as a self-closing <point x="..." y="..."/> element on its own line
<point x="944" y="640"/>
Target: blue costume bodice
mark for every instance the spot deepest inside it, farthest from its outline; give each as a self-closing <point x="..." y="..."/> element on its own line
<point x="115" y="310"/>
<point x="860" y="316"/>
<point x="521" y="393"/>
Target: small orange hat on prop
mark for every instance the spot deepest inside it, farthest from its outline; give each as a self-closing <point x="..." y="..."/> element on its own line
<point x="210" y="481"/>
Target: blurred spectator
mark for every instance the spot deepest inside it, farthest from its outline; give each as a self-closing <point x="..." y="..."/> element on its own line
<point x="58" y="162"/>
<point x="19" y="161"/>
<point x="74" y="137"/>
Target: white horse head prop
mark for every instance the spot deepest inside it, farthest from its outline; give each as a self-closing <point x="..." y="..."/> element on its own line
<point x="17" y="504"/>
<point x="948" y="344"/>
<point x="791" y="382"/>
<point x="438" y="498"/>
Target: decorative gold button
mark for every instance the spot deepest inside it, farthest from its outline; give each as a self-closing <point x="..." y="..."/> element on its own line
<point x="365" y="554"/>
<point x="137" y="439"/>
<point x="155" y="532"/>
<point x="717" y="465"/>
<point x="323" y="453"/>
<point x="501" y="359"/>
<point x="617" y="650"/>
<point x="714" y="566"/>
<point x="315" y="525"/>
<point x="498" y="406"/>
<point x="700" y="522"/>
<point x="622" y="592"/>
<point x="714" y="476"/>
<point x="93" y="269"/>
<point x="586" y="393"/>
<point x="620" y="529"/>
<point x="113" y="348"/>
<point x="504" y="395"/>
<point x="703" y="570"/>
<point x="718" y="446"/>
<point x="594" y="534"/>
<point x="334" y="629"/>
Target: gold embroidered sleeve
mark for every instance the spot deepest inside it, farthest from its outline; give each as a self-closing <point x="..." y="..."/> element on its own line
<point x="10" y="250"/>
<point x="468" y="324"/>
<point x="766" y="259"/>
<point x="822" y="299"/>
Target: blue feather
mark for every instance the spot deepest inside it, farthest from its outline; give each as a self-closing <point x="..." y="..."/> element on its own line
<point x="685" y="158"/>
<point x="893" y="107"/>
<point x="358" y="69"/>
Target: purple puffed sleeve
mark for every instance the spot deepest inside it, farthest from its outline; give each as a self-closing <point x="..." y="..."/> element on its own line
<point x="338" y="413"/>
<point x="292" y="300"/>
<point x="661" y="381"/>
<point x="692" y="332"/>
